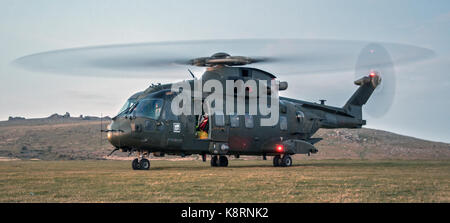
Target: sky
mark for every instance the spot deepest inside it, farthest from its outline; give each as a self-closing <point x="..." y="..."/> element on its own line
<point x="421" y="104"/>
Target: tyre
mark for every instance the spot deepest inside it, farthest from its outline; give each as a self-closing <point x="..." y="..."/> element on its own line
<point x="145" y="164"/>
<point x="276" y="160"/>
<point x="286" y="161"/>
<point x="135" y="164"/>
<point x="214" y="161"/>
<point x="223" y="161"/>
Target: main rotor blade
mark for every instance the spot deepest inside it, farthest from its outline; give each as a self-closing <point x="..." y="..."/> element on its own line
<point x="145" y="60"/>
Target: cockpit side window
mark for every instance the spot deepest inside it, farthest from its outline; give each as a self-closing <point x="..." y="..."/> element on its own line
<point x="149" y="108"/>
<point x="168" y="114"/>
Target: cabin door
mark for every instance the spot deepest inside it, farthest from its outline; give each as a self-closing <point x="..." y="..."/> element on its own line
<point x="219" y="128"/>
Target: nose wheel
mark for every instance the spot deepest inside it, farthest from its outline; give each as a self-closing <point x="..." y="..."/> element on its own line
<point x="145" y="164"/>
<point x="135" y="164"/>
<point x="141" y="163"/>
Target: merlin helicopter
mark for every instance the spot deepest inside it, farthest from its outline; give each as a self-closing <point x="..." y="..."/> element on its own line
<point x="148" y="124"/>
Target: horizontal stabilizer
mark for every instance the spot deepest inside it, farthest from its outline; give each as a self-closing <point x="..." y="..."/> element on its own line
<point x="296" y="146"/>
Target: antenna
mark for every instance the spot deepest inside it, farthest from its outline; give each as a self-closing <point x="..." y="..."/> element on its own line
<point x="101" y="130"/>
<point x="193" y="76"/>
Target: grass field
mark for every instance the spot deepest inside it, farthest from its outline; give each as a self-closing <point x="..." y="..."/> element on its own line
<point x="242" y="181"/>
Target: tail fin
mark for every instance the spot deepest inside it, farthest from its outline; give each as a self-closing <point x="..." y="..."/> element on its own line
<point x="367" y="85"/>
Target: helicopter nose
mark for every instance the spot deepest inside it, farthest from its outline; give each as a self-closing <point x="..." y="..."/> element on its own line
<point x="109" y="136"/>
<point x="109" y="133"/>
<point x="116" y="132"/>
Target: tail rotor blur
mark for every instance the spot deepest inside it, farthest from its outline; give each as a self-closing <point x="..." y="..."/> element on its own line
<point x="375" y="59"/>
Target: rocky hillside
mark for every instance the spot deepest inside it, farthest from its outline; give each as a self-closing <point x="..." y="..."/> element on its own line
<point x="53" y="138"/>
<point x="59" y="137"/>
<point x="376" y="144"/>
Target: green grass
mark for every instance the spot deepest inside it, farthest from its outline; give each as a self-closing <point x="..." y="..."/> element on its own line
<point x="242" y="181"/>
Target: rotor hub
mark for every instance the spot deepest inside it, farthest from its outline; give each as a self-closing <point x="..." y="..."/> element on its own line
<point x="220" y="55"/>
<point x="223" y="59"/>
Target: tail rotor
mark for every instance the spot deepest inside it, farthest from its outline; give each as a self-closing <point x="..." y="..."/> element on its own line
<point x="374" y="60"/>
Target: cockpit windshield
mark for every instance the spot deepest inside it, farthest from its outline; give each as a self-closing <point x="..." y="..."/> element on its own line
<point x="130" y="103"/>
<point x="149" y="108"/>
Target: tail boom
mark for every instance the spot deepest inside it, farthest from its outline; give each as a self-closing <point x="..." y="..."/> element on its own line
<point x="367" y="86"/>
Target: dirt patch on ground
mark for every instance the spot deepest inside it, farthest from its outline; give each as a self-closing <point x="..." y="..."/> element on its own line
<point x="8" y="159"/>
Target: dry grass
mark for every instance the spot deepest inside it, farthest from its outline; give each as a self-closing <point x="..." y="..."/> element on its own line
<point x="243" y="181"/>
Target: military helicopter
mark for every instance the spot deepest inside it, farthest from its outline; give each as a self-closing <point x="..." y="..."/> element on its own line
<point x="147" y="123"/>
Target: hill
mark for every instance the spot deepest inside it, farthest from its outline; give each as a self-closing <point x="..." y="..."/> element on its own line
<point x="67" y="138"/>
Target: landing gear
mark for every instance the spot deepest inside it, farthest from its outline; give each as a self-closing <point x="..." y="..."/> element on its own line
<point x="214" y="161"/>
<point x="145" y="164"/>
<point x="141" y="163"/>
<point x="277" y="160"/>
<point x="135" y="164"/>
<point x="223" y="161"/>
<point x="204" y="157"/>
<point x="219" y="161"/>
<point x="284" y="162"/>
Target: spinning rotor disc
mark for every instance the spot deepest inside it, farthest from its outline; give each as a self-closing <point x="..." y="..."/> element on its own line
<point x="144" y="60"/>
<point x="375" y="60"/>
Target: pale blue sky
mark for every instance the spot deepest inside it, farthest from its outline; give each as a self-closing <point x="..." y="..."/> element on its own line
<point x="420" y="108"/>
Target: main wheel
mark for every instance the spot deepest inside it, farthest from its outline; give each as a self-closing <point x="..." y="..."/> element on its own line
<point x="135" y="164"/>
<point x="276" y="160"/>
<point x="214" y="161"/>
<point x="286" y="161"/>
<point x="145" y="164"/>
<point x="223" y="161"/>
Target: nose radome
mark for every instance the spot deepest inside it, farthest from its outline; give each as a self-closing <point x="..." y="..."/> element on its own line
<point x="118" y="132"/>
<point x="109" y="134"/>
<point x="114" y="133"/>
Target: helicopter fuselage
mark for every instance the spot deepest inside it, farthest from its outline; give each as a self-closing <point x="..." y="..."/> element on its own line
<point x="147" y="124"/>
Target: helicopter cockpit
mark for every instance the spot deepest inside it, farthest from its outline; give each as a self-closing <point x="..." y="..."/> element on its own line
<point x="129" y="104"/>
<point x="148" y="108"/>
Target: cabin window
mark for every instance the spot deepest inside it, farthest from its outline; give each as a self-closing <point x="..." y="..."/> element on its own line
<point x="234" y="121"/>
<point x="283" y="123"/>
<point x="219" y="118"/>
<point x="249" y="121"/>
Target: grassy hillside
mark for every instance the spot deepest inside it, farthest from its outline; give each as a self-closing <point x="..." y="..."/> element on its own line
<point x="73" y="138"/>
